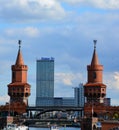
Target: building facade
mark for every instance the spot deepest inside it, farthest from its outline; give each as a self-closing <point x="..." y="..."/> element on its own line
<point x="107" y="101"/>
<point x="19" y="89"/>
<point x="79" y="95"/>
<point x="94" y="89"/>
<point x="97" y="108"/>
<point x="68" y="101"/>
<point x="45" y="81"/>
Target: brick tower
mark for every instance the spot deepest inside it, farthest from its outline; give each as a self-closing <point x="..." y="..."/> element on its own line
<point x="94" y="89"/>
<point x="19" y="89"/>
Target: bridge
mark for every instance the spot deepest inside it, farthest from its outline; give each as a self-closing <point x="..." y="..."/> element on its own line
<point x="43" y="109"/>
<point x="53" y="108"/>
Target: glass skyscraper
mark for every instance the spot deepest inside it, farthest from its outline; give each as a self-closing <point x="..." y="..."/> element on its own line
<point x="79" y="95"/>
<point x="45" y="82"/>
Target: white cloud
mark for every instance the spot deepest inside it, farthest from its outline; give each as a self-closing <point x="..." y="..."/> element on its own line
<point x="106" y="4"/>
<point x="31" y="10"/>
<point x="27" y="31"/>
<point x="116" y="80"/>
<point x="31" y="31"/>
<point x="112" y="80"/>
<point x="103" y="4"/>
<point x="4" y="99"/>
<point x="68" y="79"/>
<point x="115" y="102"/>
<point x="69" y="43"/>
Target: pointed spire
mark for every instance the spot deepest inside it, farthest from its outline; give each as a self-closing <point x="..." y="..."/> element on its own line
<point x="19" y="60"/>
<point x="95" y="57"/>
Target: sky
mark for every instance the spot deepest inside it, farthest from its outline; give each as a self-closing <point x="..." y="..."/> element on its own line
<point x="65" y="30"/>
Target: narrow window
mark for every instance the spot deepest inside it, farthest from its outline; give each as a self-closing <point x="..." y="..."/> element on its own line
<point x="94" y="75"/>
<point x="13" y="75"/>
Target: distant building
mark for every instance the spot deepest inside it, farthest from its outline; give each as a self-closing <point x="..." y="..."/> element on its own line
<point x="46" y="101"/>
<point x="79" y="95"/>
<point x="45" y="87"/>
<point x="68" y="101"/>
<point x="58" y="101"/>
<point x="64" y="101"/>
<point x="107" y="101"/>
<point x="45" y="82"/>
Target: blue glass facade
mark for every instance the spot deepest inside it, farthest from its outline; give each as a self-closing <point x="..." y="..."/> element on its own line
<point x="44" y="80"/>
<point x="45" y="87"/>
<point x="79" y="95"/>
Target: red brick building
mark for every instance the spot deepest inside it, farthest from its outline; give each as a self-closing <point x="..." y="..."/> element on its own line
<point x="18" y="89"/>
<point x="94" y="89"/>
<point x="95" y="93"/>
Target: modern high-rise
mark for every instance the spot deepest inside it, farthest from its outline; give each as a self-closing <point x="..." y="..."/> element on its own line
<point x="79" y="95"/>
<point x="45" y="82"/>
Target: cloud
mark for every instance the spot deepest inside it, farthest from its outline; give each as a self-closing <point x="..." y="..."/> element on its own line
<point x="116" y="80"/>
<point x="68" y="79"/>
<point x="30" y="10"/>
<point x="112" y="80"/>
<point x="28" y="31"/>
<point x="64" y="78"/>
<point x="115" y="101"/>
<point x="4" y="99"/>
<point x="106" y="4"/>
<point x="48" y="28"/>
<point x="102" y="4"/>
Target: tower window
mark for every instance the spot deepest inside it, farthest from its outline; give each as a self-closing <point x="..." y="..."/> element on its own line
<point x="94" y="75"/>
<point x="13" y="75"/>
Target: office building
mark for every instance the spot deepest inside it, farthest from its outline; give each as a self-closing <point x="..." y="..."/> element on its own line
<point x="68" y="101"/>
<point x="79" y="95"/>
<point x="45" y="82"/>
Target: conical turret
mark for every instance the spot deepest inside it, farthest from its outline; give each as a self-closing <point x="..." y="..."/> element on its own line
<point x="95" y="57"/>
<point x="19" y="89"/>
<point x="95" y="69"/>
<point x="19" y="60"/>
<point x="94" y="89"/>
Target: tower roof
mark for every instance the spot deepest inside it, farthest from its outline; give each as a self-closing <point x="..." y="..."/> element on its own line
<point x="95" y="57"/>
<point x="19" y="60"/>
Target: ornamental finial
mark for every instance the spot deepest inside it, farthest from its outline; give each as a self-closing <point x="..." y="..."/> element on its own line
<point x="95" y="41"/>
<point x="19" y="42"/>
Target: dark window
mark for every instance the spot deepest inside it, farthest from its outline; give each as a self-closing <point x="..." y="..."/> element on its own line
<point x="13" y="75"/>
<point x="22" y="94"/>
<point x="26" y="94"/>
<point x="94" y="75"/>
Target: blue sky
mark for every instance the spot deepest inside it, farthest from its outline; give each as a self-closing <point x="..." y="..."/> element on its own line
<point x="65" y="30"/>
